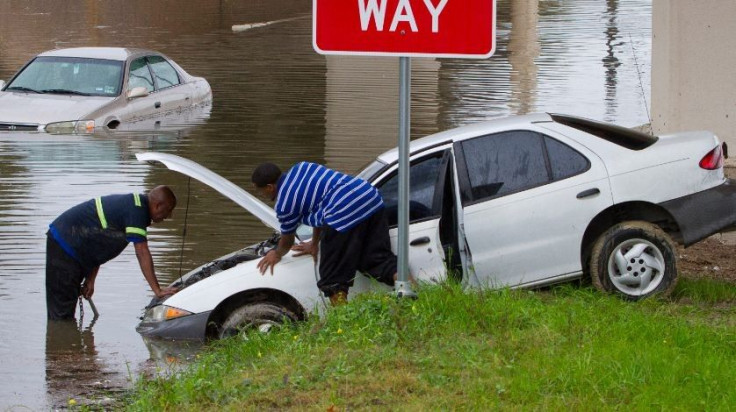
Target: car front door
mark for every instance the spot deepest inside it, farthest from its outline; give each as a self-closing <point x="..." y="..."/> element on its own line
<point x="139" y="109"/>
<point x="429" y="214"/>
<point x="527" y="201"/>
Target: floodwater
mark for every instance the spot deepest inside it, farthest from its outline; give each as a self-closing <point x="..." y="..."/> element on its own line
<point x="274" y="99"/>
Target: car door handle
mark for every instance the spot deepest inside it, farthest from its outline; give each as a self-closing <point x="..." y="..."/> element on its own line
<point x="157" y="105"/>
<point x="420" y="241"/>
<point x="587" y="193"/>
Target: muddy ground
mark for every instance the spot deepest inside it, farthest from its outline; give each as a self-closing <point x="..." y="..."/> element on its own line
<point x="714" y="257"/>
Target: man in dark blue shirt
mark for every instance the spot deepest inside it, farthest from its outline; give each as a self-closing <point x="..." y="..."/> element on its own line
<point x="94" y="232"/>
<point x="348" y="221"/>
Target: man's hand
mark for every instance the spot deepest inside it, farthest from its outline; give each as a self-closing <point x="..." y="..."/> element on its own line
<point x="167" y="291"/>
<point x="270" y="260"/>
<point x="88" y="289"/>
<point x="307" y="248"/>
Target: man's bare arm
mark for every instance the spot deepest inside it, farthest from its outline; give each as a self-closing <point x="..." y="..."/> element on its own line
<point x="145" y="260"/>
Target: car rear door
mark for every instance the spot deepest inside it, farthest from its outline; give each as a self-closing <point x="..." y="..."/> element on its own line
<point x="166" y="93"/>
<point x="527" y="201"/>
<point x="172" y="93"/>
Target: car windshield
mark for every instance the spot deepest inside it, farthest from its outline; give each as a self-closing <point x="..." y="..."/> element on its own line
<point x="70" y="75"/>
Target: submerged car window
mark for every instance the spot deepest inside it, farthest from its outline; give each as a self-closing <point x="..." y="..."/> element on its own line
<point x="70" y="75"/>
<point x="564" y="160"/>
<point x="504" y="163"/>
<point x="423" y="178"/>
<point x="165" y="74"/>
<point x="139" y="75"/>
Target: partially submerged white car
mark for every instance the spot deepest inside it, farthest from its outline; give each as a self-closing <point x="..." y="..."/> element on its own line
<point x="88" y="89"/>
<point x="525" y="201"/>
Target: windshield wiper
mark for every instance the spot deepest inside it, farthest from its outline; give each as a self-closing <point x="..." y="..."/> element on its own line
<point x="22" y="89"/>
<point x="64" y="91"/>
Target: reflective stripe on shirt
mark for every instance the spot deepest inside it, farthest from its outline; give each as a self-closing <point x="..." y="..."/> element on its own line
<point x="100" y="212"/>
<point x="135" y="231"/>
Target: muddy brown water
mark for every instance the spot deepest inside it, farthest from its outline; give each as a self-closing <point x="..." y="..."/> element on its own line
<point x="275" y="99"/>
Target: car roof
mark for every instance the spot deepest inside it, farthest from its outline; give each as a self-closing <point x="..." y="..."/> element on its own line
<point x="467" y="132"/>
<point x="106" y="53"/>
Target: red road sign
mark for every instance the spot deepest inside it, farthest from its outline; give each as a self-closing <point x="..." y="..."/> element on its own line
<point x="432" y="28"/>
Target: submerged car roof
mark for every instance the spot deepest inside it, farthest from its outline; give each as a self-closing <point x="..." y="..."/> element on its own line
<point x="106" y="53"/>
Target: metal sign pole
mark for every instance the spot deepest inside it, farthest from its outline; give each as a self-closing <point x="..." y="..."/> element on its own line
<point x="402" y="287"/>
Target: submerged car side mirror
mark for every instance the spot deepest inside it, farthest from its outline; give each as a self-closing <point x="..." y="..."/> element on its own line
<point x="137" y="92"/>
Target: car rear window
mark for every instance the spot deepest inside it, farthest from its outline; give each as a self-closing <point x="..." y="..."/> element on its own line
<point x="622" y="136"/>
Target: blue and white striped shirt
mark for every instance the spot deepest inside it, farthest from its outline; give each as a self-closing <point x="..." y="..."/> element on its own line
<point x="317" y="196"/>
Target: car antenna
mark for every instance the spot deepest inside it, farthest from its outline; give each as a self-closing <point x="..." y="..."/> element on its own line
<point x="641" y="84"/>
<point x="184" y="232"/>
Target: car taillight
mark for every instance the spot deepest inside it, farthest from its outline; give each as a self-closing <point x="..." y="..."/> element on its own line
<point x="713" y="160"/>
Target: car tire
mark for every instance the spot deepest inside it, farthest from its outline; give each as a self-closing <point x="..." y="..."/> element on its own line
<point x="635" y="260"/>
<point x="255" y="316"/>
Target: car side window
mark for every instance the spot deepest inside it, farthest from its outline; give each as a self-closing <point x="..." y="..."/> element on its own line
<point x="564" y="160"/>
<point x="423" y="178"/>
<point x="139" y="75"/>
<point x="504" y="163"/>
<point x="164" y="72"/>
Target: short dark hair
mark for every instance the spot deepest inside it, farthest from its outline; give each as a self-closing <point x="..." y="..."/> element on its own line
<point x="265" y="174"/>
<point x="163" y="194"/>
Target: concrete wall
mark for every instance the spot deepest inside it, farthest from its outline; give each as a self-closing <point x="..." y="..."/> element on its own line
<point x="694" y="67"/>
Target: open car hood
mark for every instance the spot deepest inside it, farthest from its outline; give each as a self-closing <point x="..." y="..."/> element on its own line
<point x="230" y="190"/>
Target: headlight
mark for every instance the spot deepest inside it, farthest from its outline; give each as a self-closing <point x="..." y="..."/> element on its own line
<point x="73" y="126"/>
<point x="161" y="313"/>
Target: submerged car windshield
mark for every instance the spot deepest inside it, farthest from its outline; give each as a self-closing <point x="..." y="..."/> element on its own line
<point x="71" y="76"/>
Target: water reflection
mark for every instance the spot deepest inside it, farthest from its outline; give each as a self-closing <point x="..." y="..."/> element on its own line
<point x="610" y="61"/>
<point x="523" y="49"/>
<point x="73" y="366"/>
<point x="368" y="113"/>
<point x="168" y="356"/>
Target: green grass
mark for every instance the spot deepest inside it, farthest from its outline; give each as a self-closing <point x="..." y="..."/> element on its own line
<point x="565" y="348"/>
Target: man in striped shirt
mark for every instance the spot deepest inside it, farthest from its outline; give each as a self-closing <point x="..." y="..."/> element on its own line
<point x="94" y="232"/>
<point x="347" y="217"/>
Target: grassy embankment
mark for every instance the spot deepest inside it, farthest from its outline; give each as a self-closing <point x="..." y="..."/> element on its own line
<point x="565" y="348"/>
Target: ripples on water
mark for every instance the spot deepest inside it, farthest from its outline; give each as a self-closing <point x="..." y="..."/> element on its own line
<point x="274" y="99"/>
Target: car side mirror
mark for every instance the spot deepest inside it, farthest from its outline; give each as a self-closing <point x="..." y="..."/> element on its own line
<point x="2" y="84"/>
<point x="137" y="92"/>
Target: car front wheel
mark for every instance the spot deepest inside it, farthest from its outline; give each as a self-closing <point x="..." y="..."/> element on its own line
<point x="255" y="316"/>
<point x="634" y="259"/>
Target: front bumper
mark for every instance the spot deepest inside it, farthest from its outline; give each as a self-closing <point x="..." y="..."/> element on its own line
<point x="190" y="327"/>
<point x="702" y="214"/>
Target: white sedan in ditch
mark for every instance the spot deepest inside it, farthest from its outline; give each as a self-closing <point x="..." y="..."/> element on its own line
<point x="80" y="90"/>
<point x="525" y="201"/>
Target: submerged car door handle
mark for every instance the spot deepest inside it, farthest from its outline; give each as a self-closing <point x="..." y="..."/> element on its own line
<point x="157" y="105"/>
<point x="420" y="241"/>
<point x="588" y="193"/>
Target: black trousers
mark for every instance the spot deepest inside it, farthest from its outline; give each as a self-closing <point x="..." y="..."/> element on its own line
<point x="64" y="276"/>
<point x="365" y="248"/>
